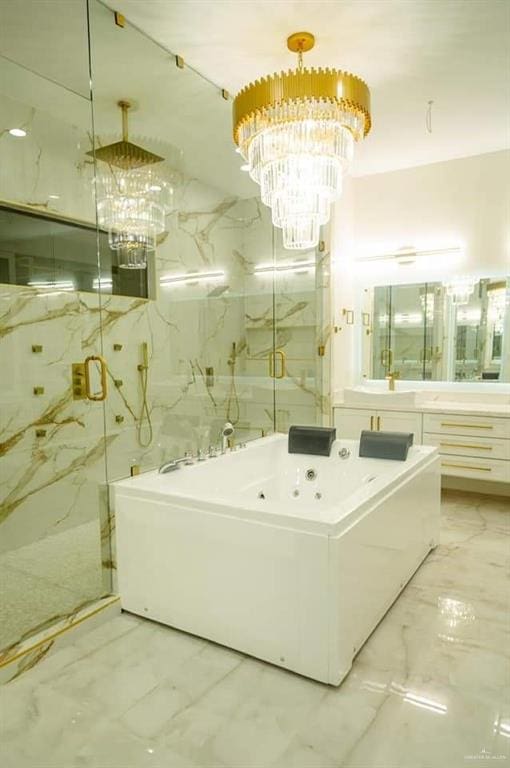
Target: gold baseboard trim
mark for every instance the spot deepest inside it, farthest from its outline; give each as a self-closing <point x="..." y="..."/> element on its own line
<point x="52" y="637"/>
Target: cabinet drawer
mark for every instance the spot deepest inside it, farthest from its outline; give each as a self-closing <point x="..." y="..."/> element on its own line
<point x="481" y="469"/>
<point x="485" y="447"/>
<point x="477" y="426"/>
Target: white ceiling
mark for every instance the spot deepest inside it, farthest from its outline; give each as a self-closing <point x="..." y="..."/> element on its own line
<point x="456" y="52"/>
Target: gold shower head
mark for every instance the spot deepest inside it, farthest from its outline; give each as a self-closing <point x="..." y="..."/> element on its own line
<point x="124" y="154"/>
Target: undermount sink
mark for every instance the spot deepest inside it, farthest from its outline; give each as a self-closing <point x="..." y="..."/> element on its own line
<point x="367" y="396"/>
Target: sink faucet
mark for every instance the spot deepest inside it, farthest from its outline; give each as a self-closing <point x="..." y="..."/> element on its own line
<point x="391" y="378"/>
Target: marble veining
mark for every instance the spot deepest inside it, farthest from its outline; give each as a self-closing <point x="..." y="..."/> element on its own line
<point x="55" y="450"/>
<point x="428" y="690"/>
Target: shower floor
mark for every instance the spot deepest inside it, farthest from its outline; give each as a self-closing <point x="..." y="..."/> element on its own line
<point x="48" y="579"/>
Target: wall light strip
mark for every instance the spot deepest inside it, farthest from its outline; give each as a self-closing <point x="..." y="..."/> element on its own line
<point x="191" y="277"/>
<point x="262" y="269"/>
<point x="102" y="282"/>
<point x="61" y="285"/>
<point x="407" y="256"/>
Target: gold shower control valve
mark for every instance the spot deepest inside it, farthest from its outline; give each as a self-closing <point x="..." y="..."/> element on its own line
<point x="79" y="388"/>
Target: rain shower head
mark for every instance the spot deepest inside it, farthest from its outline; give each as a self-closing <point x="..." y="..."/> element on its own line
<point x="124" y="154"/>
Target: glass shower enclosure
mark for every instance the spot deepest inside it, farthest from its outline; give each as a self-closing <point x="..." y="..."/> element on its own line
<point x="108" y="370"/>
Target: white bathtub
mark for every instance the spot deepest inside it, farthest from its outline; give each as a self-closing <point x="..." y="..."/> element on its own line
<point x="244" y="550"/>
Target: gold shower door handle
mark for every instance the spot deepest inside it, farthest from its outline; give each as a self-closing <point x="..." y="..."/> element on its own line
<point x="283" y="364"/>
<point x="104" y="369"/>
<point x="272" y="364"/>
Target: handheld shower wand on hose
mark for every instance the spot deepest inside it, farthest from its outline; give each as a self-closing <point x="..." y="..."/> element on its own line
<point x="143" y="369"/>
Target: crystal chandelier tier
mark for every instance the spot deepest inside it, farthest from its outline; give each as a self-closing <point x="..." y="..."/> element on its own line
<point x="296" y="131"/>
<point x="133" y="197"/>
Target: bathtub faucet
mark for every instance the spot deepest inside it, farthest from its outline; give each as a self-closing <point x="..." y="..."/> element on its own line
<point x="171" y="466"/>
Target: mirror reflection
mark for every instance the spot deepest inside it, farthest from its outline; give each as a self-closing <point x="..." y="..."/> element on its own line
<point x="458" y="331"/>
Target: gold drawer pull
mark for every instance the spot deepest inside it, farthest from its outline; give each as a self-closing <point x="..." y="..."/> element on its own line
<point x="462" y="445"/>
<point x="465" y="466"/>
<point x="475" y="426"/>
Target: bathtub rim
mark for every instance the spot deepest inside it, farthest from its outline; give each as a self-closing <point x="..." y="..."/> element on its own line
<point x="239" y="509"/>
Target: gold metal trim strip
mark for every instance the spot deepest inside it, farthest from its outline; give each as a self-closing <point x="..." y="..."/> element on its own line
<point x="56" y="634"/>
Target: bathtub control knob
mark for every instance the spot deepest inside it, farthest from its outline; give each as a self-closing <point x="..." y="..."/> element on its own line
<point x="201" y="456"/>
<point x="212" y="452"/>
<point x="188" y="458"/>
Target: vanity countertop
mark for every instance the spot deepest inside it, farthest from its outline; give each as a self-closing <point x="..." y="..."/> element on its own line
<point x="436" y="406"/>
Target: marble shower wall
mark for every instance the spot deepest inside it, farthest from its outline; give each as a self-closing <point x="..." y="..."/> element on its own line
<point x="56" y="453"/>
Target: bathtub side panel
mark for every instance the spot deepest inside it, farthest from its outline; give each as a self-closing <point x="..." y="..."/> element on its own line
<point x="371" y="562"/>
<point x="257" y="588"/>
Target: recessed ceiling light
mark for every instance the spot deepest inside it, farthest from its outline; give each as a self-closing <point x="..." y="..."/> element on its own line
<point x="54" y="197"/>
<point x="17" y="132"/>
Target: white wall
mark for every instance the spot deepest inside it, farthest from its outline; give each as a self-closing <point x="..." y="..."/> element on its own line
<point x="462" y="203"/>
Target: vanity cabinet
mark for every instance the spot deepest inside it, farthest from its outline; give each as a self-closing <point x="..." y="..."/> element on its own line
<point x="351" y="421"/>
<point x="474" y="445"/>
<point x="470" y="446"/>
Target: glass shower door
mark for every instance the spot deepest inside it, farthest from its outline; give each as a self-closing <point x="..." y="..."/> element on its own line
<point x="52" y="439"/>
<point x="296" y="361"/>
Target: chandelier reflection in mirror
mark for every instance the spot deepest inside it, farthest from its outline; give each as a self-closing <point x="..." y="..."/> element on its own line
<point x="460" y="289"/>
<point x="296" y="131"/>
<point x="133" y="197"/>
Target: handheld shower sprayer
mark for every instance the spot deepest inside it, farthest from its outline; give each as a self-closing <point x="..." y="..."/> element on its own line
<point x="233" y="412"/>
<point x="143" y="369"/>
<point x="226" y="432"/>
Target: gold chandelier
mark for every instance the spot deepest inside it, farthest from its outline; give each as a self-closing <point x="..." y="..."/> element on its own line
<point x="296" y="131"/>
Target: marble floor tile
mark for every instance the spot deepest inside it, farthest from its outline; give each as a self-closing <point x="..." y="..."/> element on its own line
<point x="429" y="689"/>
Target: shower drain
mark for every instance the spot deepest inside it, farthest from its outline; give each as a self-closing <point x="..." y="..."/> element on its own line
<point x="310" y="474"/>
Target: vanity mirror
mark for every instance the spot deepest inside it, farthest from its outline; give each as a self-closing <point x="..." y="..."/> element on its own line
<point x="456" y="331"/>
